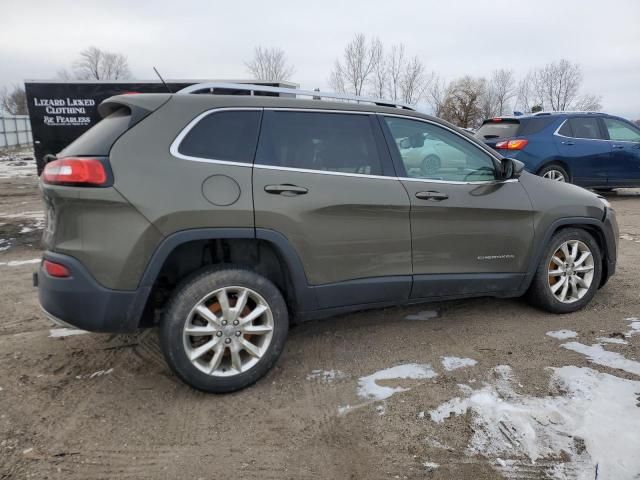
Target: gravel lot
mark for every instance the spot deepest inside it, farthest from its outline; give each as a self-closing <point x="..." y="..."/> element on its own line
<point x="459" y="389"/>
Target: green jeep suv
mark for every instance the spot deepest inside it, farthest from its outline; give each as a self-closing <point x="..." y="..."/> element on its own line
<point x="224" y="218"/>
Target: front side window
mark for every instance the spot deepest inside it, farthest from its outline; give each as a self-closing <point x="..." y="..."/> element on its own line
<point x="432" y="152"/>
<point x="621" y="132"/>
<point x="583" y="127"/>
<point x="226" y="135"/>
<point x="333" y="142"/>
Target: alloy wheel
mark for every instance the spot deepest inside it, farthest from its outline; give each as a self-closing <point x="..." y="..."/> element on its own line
<point x="555" y="175"/>
<point x="570" y="271"/>
<point x="228" y="331"/>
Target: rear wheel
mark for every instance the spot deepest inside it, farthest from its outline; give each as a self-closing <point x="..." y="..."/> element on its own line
<point x="555" y="173"/>
<point x="568" y="274"/>
<point x="223" y="329"/>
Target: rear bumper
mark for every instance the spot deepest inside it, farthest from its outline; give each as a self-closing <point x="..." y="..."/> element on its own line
<point x="80" y="301"/>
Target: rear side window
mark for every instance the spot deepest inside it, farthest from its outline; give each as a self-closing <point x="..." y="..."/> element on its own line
<point x="227" y="135"/>
<point x="333" y="142"/>
<point x="99" y="139"/>
<point x="583" y="127"/>
<point x="498" y="129"/>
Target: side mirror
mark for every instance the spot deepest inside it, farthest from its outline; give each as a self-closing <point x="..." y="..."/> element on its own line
<point x="511" y="168"/>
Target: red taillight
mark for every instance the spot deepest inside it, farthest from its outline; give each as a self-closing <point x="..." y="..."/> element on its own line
<point x="496" y="119"/>
<point x="56" y="269"/>
<point x="75" y="171"/>
<point x="512" y="144"/>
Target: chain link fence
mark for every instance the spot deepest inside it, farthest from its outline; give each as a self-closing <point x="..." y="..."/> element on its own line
<point x="15" y="130"/>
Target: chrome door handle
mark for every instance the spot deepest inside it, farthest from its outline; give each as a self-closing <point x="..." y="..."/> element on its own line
<point x="618" y="146"/>
<point x="568" y="143"/>
<point x="286" y="190"/>
<point x="432" y="195"/>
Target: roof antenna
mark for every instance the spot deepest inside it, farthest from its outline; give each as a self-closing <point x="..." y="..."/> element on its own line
<point x="162" y="79"/>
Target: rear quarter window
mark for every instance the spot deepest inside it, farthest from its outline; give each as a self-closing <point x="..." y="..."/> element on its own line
<point x="99" y="139"/>
<point x="227" y="135"/>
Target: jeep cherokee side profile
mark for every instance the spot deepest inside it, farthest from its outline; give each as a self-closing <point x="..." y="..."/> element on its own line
<point x="220" y="219"/>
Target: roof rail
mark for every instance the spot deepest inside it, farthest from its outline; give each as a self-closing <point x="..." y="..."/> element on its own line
<point x="560" y="112"/>
<point x="204" y="87"/>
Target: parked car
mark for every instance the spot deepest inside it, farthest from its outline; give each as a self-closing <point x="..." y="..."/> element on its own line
<point x="589" y="149"/>
<point x="221" y="219"/>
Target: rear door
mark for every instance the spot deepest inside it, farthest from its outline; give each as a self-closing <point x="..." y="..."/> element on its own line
<point x="325" y="181"/>
<point x="471" y="232"/>
<point x="624" y="141"/>
<point x="582" y="147"/>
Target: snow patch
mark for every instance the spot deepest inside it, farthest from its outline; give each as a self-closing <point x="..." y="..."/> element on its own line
<point x="65" y="332"/>
<point x="634" y="325"/>
<point x="617" y="341"/>
<point x="597" y="354"/>
<point x="594" y="422"/>
<point x="562" y="334"/>
<point x="101" y="373"/>
<point x="424" y="315"/>
<point x="430" y="466"/>
<point x="17" y="263"/>
<point x="369" y="389"/>
<point x="17" y="163"/>
<point x="454" y="363"/>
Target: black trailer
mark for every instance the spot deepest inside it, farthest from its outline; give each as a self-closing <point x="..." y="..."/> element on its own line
<point x="60" y="111"/>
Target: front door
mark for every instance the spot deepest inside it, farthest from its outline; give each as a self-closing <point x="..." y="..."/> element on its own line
<point x="325" y="181"/>
<point x="624" y="141"/>
<point x="471" y="233"/>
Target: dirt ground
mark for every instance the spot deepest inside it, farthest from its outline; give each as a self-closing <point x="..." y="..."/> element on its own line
<point x="100" y="406"/>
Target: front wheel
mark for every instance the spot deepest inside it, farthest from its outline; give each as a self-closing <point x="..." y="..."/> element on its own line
<point x="223" y="329"/>
<point x="568" y="274"/>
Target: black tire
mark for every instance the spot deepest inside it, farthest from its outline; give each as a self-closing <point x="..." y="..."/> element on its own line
<point x="430" y="165"/>
<point x="188" y="294"/>
<point x="547" y="169"/>
<point x="540" y="294"/>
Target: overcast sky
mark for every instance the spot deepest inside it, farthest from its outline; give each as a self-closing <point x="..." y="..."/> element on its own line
<point x="213" y="39"/>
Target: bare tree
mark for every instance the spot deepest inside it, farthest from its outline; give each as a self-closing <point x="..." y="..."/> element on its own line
<point x="502" y="86"/>
<point x="588" y="103"/>
<point x="463" y="102"/>
<point x="14" y="100"/>
<point x="556" y="86"/>
<point x="358" y="63"/>
<point x="436" y="95"/>
<point x="270" y="64"/>
<point x="560" y="82"/>
<point x="414" y="81"/>
<point x="396" y="63"/>
<point x="96" y="64"/>
<point x="380" y="77"/>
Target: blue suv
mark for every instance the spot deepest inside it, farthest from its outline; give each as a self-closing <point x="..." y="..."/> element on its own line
<point x="589" y="149"/>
